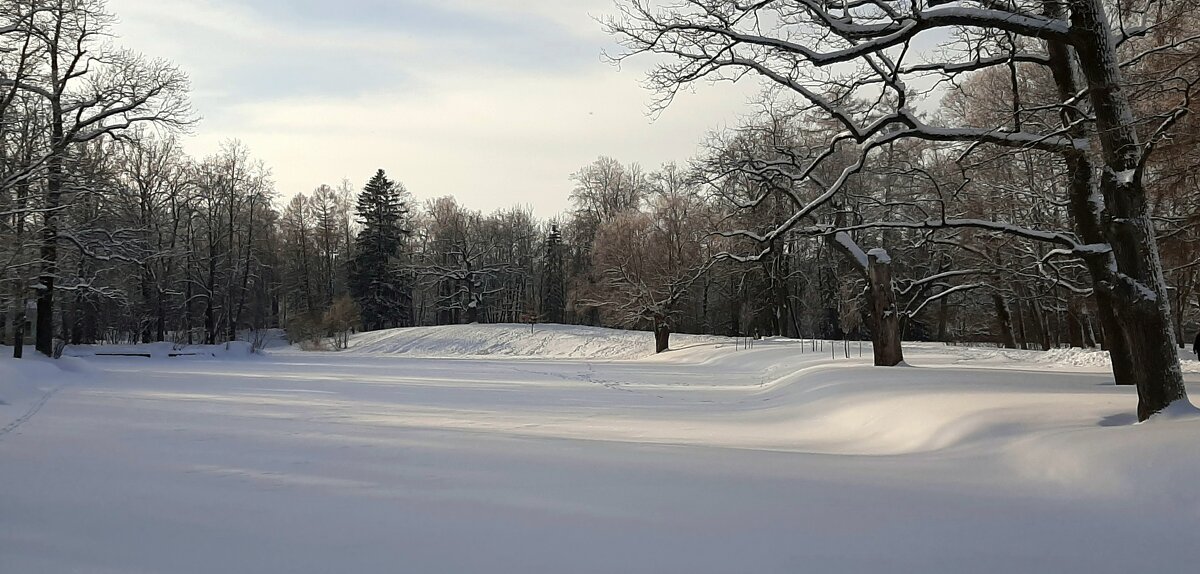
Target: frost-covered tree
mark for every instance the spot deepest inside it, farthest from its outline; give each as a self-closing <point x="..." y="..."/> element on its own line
<point x="86" y="91"/>
<point x="648" y="262"/>
<point x="832" y="56"/>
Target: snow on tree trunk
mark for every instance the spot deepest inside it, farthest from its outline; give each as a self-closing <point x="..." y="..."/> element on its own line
<point x="1085" y="214"/>
<point x="1004" y="322"/>
<point x="886" y="332"/>
<point x="1136" y="282"/>
<point x="662" y="336"/>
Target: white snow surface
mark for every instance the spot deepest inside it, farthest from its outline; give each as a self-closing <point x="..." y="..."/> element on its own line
<point x="880" y="254"/>
<point x="706" y="459"/>
<point x="517" y="340"/>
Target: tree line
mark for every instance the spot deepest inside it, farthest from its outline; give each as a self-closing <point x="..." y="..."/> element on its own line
<point x="1054" y="176"/>
<point x="1047" y="197"/>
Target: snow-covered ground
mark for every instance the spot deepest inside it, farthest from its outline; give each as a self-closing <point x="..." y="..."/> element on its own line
<point x="704" y="459"/>
<point x="547" y="341"/>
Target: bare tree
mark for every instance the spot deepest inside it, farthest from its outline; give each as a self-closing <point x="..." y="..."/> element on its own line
<point x="647" y="262"/>
<point x="831" y="54"/>
<point x="89" y="91"/>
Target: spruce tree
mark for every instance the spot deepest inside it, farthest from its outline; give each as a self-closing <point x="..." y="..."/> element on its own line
<point x="554" y="294"/>
<point x="378" y="281"/>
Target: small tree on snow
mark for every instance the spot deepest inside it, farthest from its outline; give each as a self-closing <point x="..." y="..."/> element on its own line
<point x="340" y="320"/>
<point x="648" y="262"/>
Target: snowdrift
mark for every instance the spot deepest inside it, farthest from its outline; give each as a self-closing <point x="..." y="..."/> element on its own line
<point x="1062" y="358"/>
<point x="516" y="340"/>
<point x="230" y="350"/>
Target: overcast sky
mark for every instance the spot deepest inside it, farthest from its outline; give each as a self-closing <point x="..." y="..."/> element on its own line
<point x="495" y="102"/>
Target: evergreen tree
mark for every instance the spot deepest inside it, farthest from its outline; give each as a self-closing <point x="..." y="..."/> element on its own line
<point x="554" y="295"/>
<point x="378" y="282"/>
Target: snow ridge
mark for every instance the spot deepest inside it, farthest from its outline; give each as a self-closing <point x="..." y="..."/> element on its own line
<point x="517" y="340"/>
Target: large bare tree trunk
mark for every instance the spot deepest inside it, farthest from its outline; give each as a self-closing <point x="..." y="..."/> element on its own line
<point x="662" y="336"/>
<point x="886" y="334"/>
<point x="1085" y="214"/>
<point x="1138" y="290"/>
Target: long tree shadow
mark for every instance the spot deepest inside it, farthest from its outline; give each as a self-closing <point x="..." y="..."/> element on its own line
<point x="1119" y="420"/>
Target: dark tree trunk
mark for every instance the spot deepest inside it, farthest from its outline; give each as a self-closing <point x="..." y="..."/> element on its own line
<point x="1134" y="276"/>
<point x="1089" y="328"/>
<point x="210" y="323"/>
<point x="160" y="317"/>
<point x="1004" y="322"/>
<point x="943" y="320"/>
<point x="19" y="333"/>
<point x="236" y="319"/>
<point x="886" y="332"/>
<point x="44" y="341"/>
<point x="1075" y="325"/>
<point x="210" y="320"/>
<point x="1043" y="325"/>
<point x="662" y="336"/>
<point x="1022" y="330"/>
<point x="1181" y="297"/>
<point x="735" y="308"/>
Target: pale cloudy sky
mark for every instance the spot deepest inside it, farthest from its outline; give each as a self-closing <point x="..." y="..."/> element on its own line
<point x="495" y="102"/>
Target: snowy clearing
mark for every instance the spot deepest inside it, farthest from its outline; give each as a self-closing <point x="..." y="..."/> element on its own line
<point x="542" y="340"/>
<point x="704" y="459"/>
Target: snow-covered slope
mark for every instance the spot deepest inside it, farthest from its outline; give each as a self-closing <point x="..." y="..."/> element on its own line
<point x="230" y="350"/>
<point x="1062" y="358"/>
<point x="26" y="385"/>
<point x="515" y="340"/>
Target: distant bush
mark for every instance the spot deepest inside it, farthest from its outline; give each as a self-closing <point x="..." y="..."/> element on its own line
<point x="340" y="320"/>
<point x="307" y="331"/>
<point x="312" y="330"/>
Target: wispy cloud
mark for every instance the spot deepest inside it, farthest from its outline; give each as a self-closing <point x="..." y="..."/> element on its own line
<point x="495" y="102"/>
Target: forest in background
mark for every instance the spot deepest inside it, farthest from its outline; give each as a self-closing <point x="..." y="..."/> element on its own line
<point x="843" y="207"/>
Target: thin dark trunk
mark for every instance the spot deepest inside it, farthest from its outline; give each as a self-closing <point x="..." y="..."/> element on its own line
<point x="241" y="304"/>
<point x="49" y="247"/>
<point x="1004" y="322"/>
<point x="1043" y="323"/>
<point x="19" y="333"/>
<point x="1022" y="332"/>
<point x="943" y="319"/>
<point x="1075" y="325"/>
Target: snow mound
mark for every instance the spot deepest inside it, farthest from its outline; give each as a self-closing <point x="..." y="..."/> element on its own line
<point x="517" y="340"/>
<point x="229" y="350"/>
<point x="1065" y="358"/>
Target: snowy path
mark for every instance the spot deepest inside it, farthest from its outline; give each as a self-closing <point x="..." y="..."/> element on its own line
<point x="705" y="460"/>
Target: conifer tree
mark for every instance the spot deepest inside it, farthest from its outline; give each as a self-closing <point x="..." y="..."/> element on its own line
<point x="554" y="295"/>
<point x="378" y="282"/>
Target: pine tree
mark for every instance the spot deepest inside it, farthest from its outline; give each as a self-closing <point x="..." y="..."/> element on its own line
<point x="554" y="295"/>
<point x="378" y="281"/>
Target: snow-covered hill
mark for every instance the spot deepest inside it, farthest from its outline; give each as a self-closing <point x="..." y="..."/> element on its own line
<point x="516" y="340"/>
